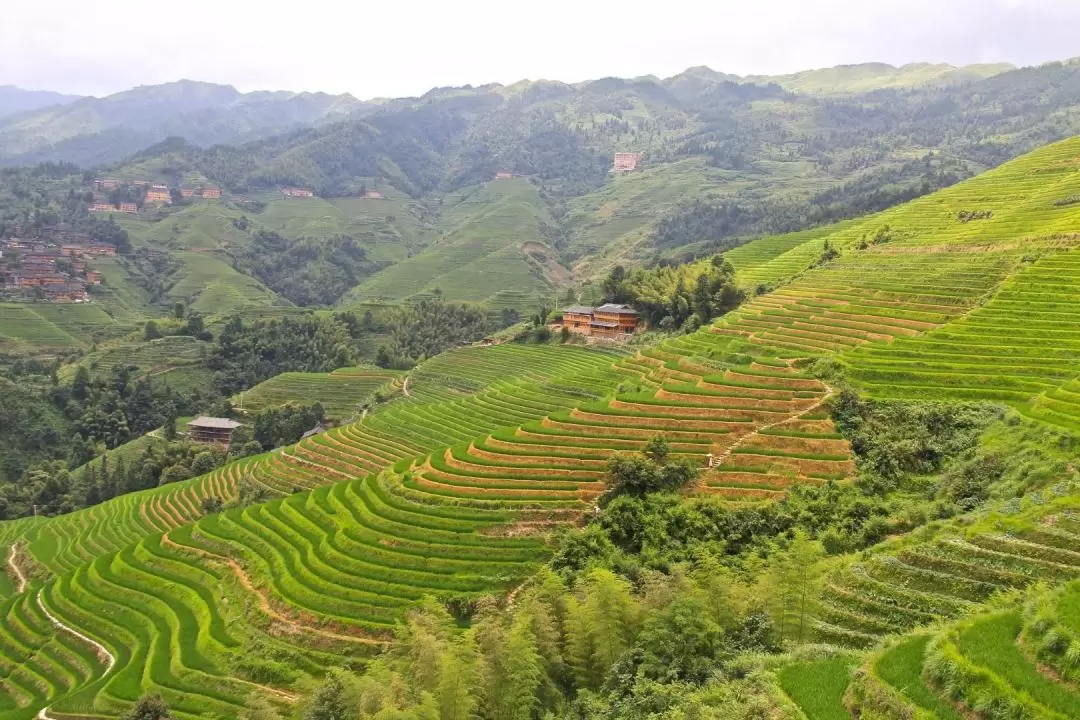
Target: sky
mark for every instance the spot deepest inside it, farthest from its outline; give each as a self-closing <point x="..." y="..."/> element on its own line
<point x="399" y="47"/>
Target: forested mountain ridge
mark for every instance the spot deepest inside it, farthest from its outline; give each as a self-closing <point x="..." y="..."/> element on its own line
<point x="92" y="131"/>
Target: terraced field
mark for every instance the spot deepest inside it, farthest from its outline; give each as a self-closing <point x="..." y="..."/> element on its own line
<point x="1010" y="660"/>
<point x="341" y="392"/>
<point x="896" y="590"/>
<point x="452" y="488"/>
<point x="159" y="357"/>
<point x="336" y="565"/>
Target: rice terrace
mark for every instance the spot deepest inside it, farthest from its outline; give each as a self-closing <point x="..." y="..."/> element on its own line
<point x="698" y="397"/>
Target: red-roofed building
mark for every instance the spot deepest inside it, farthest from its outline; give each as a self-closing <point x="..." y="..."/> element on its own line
<point x="626" y="162"/>
<point x="211" y="193"/>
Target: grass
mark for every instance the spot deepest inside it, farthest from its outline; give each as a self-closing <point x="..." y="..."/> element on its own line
<point x="818" y="687"/>
<point x="901" y="667"/>
<point x="991" y="643"/>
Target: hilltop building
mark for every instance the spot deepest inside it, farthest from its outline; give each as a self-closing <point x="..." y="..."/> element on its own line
<point x="216" y="431"/>
<point x="373" y="195"/>
<point x="297" y="192"/>
<point x="129" y="208"/>
<point x="102" y="207"/>
<point x="626" y="162"/>
<point x="156" y="195"/>
<point x="211" y="193"/>
<point x="612" y="321"/>
<point x="504" y="176"/>
<point x="186" y="192"/>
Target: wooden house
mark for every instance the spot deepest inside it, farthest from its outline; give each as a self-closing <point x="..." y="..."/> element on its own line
<point x="576" y="319"/>
<point x="211" y="193"/>
<point x="217" y="431"/>
<point x="607" y="321"/>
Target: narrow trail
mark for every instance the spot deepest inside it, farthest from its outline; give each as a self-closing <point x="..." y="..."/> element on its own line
<point x="264" y="602"/>
<point x="829" y="392"/>
<point x="405" y="386"/>
<point x="16" y="571"/>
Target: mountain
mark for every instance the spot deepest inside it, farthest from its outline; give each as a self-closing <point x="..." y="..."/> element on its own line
<point x="15" y="100"/>
<point x="92" y="131"/>
<point x="865" y="77"/>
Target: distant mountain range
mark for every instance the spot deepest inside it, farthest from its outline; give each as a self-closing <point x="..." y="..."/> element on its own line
<point x="91" y="131"/>
<point x="15" y="100"/>
<point x="38" y="126"/>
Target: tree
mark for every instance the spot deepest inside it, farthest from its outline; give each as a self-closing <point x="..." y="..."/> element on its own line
<point x="602" y="620"/>
<point x="681" y="643"/>
<point x="459" y="680"/>
<point x="149" y="707"/>
<point x="522" y="672"/>
<point x="206" y="461"/>
<point x="178" y="310"/>
<point x="151" y="331"/>
<point x="330" y="701"/>
<point x="168" y="430"/>
<point x="80" y="385"/>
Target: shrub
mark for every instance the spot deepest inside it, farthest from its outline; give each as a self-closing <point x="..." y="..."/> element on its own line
<point x="206" y="461"/>
<point x="174" y="473"/>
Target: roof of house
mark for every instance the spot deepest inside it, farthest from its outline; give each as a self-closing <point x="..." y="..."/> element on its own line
<point x="579" y="310"/>
<point x="618" y="309"/>
<point x="603" y="324"/>
<point x="214" y="423"/>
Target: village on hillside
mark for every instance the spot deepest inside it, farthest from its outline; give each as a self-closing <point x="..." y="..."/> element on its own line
<point x="54" y="266"/>
<point x="118" y="196"/>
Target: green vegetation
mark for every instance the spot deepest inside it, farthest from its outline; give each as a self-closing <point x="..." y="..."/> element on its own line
<point x="343" y="393"/>
<point x="853" y="495"/>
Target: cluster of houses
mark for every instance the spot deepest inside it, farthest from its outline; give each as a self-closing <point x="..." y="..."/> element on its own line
<point x="153" y="194"/>
<point x="46" y="269"/>
<point x="609" y="321"/>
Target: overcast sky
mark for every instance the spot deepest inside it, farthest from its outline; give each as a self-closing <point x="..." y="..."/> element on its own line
<point x="397" y="47"/>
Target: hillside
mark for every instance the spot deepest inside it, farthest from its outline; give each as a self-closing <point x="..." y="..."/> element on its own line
<point x="405" y="206"/>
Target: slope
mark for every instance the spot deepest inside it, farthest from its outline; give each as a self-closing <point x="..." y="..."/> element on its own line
<point x="492" y="241"/>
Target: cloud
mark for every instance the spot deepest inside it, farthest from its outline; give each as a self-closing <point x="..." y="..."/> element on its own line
<point x="400" y="48"/>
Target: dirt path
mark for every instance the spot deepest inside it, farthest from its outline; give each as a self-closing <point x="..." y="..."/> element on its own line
<point x="16" y="571"/>
<point x="405" y="386"/>
<point x="743" y="440"/>
<point x="264" y="602"/>
<point x="102" y="651"/>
